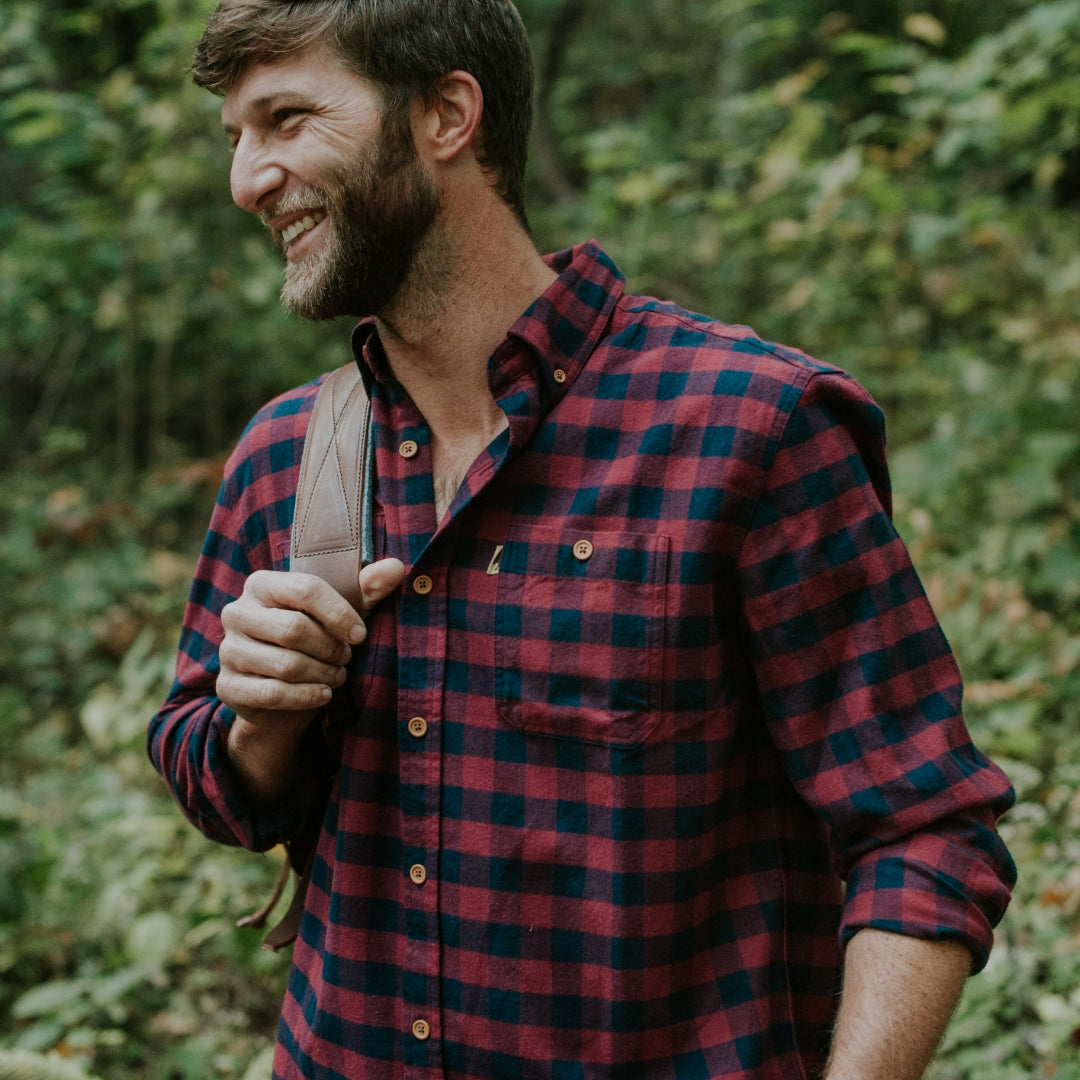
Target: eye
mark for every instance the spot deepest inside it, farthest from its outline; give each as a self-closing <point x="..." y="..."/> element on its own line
<point x="283" y="116"/>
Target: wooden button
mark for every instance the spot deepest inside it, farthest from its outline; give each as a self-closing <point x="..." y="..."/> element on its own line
<point x="421" y="1030"/>
<point x="583" y="551"/>
<point x="417" y="727"/>
<point x="418" y="874"/>
<point x="408" y="449"/>
<point x="423" y="585"/>
<point x="559" y="375"/>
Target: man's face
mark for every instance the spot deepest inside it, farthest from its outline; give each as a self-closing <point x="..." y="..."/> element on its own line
<point x="348" y="203"/>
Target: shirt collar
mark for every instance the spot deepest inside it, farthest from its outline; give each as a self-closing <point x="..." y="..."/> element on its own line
<point x="564" y="325"/>
<point x="561" y="328"/>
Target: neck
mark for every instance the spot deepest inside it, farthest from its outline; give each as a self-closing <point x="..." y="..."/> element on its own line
<point x="469" y="286"/>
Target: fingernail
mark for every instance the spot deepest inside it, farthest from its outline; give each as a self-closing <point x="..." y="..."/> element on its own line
<point x="327" y="693"/>
<point x="356" y="634"/>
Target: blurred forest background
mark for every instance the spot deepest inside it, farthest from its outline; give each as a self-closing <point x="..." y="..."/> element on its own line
<point x="893" y="185"/>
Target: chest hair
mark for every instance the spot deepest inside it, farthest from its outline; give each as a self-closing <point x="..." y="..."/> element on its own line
<point x="446" y="482"/>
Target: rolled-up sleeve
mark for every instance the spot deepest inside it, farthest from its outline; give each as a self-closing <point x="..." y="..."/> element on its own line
<point x="860" y="688"/>
<point x="248" y="531"/>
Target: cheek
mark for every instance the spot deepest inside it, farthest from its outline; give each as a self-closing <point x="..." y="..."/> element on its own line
<point x="332" y="141"/>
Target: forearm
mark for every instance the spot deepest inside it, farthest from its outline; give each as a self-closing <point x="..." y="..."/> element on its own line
<point x="266" y="761"/>
<point x="188" y="746"/>
<point x="899" y="993"/>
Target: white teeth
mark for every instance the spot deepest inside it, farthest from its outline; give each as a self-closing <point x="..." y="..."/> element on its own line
<point x="308" y="221"/>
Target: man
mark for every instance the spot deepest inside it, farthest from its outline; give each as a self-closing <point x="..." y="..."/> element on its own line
<point x="642" y="670"/>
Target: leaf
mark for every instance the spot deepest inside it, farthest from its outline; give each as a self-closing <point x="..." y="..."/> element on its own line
<point x="924" y="27"/>
<point x="26" y="1065"/>
<point x="153" y="938"/>
<point x="62" y="997"/>
<point x="261" y="1065"/>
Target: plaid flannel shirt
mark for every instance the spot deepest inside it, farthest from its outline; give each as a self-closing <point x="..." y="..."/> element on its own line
<point x="659" y="682"/>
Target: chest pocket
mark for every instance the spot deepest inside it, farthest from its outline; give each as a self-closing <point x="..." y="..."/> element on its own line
<point x="579" y="632"/>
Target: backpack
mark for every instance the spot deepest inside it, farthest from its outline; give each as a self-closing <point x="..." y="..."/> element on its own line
<point x="331" y="537"/>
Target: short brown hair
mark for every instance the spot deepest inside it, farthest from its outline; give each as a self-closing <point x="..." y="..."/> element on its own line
<point x="404" y="47"/>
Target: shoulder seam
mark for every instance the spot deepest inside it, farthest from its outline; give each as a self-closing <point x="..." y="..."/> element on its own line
<point x="703" y="324"/>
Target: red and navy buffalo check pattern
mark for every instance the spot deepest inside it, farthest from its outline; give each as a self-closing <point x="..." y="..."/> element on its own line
<point x="677" y="680"/>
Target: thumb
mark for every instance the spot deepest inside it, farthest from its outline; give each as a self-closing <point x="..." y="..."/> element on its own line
<point x="377" y="581"/>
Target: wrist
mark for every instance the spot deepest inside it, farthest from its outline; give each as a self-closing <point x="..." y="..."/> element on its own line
<point x="286" y="729"/>
<point x="265" y="757"/>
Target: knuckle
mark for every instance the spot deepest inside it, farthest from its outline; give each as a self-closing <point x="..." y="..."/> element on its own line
<point x="265" y="694"/>
<point x="294" y="628"/>
<point x="228" y="615"/>
<point x="231" y="642"/>
<point x="226" y="688"/>
<point x="287" y="666"/>
<point x="306" y="586"/>
<point x="256" y="584"/>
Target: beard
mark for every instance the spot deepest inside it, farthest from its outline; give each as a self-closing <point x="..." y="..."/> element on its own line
<point x="379" y="209"/>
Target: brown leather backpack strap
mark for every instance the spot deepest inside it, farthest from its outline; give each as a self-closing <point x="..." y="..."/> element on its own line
<point x="286" y="930"/>
<point x="328" y="523"/>
<point x="331" y="537"/>
<point x="301" y="859"/>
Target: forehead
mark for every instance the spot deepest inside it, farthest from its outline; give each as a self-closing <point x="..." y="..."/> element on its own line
<point x="312" y="76"/>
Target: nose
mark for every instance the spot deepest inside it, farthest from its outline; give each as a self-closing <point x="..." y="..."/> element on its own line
<point x="254" y="177"/>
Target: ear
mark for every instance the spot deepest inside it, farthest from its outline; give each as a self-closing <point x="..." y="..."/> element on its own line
<point x="448" y="125"/>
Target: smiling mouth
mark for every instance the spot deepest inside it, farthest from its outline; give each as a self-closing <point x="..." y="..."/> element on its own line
<point x="303" y="225"/>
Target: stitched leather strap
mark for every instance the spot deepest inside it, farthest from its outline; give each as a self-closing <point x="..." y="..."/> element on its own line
<point x="328" y="524"/>
<point x="331" y="537"/>
<point x="301" y="859"/>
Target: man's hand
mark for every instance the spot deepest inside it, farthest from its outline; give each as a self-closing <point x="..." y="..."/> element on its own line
<point x="287" y="641"/>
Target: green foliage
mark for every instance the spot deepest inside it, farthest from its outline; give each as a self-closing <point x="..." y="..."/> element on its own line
<point x="893" y="186"/>
<point x="137" y="308"/>
<point x="117" y="937"/>
<point x="24" y="1065"/>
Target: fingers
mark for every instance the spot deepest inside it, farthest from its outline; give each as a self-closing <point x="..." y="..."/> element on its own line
<point x="284" y="647"/>
<point x="288" y="638"/>
<point x="270" y="703"/>
<point x="276" y="665"/>
<point x="306" y="595"/>
<point x="378" y="580"/>
<point x="268" y="660"/>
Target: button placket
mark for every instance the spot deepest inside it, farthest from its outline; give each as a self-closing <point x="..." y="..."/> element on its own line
<point x="422" y="638"/>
